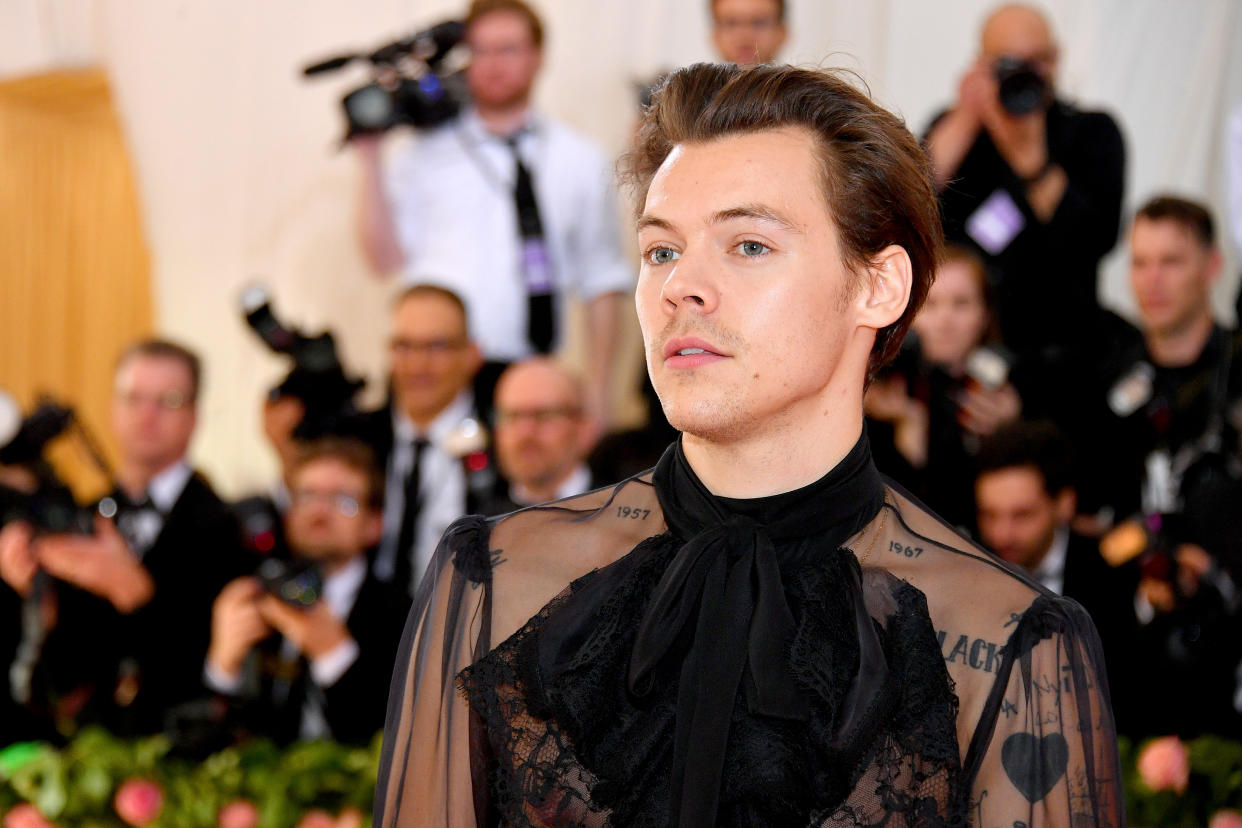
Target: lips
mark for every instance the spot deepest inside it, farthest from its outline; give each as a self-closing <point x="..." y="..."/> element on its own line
<point x="691" y="352"/>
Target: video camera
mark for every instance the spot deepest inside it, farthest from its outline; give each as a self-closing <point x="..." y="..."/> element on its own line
<point x="317" y="378"/>
<point x="409" y="84"/>
<point x="48" y="505"/>
<point x="1020" y="87"/>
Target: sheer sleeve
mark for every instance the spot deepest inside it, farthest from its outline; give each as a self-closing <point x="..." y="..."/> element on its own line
<point x="425" y="775"/>
<point x="1045" y="751"/>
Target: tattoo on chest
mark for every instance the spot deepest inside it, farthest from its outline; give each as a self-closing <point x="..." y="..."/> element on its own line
<point x="975" y="653"/>
<point x="633" y="513"/>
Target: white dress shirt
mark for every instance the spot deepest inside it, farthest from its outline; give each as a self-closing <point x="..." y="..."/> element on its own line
<point x="451" y="193"/>
<point x="441" y="486"/>
<point x="141" y="527"/>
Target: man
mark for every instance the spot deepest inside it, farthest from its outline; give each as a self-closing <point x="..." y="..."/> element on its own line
<point x="1032" y="182"/>
<point x="1026" y="498"/>
<point x="703" y="646"/>
<point x="428" y="434"/>
<point x="540" y="436"/>
<point x="326" y="676"/>
<point x="1169" y="437"/>
<point x="505" y="206"/>
<point x="748" y="31"/>
<point x="133" y="599"/>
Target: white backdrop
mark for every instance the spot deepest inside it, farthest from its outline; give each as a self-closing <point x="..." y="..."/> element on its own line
<point x="240" y="177"/>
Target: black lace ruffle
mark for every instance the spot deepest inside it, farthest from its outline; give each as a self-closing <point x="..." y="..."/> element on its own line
<point x="571" y="745"/>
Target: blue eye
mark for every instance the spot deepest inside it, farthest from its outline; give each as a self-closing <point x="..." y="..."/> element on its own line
<point x="662" y="255"/>
<point x="753" y="248"/>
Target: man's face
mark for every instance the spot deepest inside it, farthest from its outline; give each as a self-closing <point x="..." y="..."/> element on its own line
<point x="153" y="410"/>
<point x="1172" y="275"/>
<point x="953" y="318"/>
<point x="742" y="294"/>
<point x="1017" y="517"/>
<point x="503" y="60"/>
<point x="539" y="426"/>
<point x="328" y="518"/>
<point x="431" y="357"/>
<point x="747" y="31"/>
<point x="1020" y="33"/>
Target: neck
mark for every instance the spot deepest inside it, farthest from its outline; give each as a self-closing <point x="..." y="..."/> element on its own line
<point x="1182" y="344"/>
<point x="134" y="476"/>
<point x="541" y="491"/>
<point x="334" y="564"/>
<point x="793" y="451"/>
<point x="422" y="420"/>
<point x="504" y="120"/>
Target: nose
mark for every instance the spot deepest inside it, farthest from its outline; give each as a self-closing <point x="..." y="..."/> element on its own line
<point x="690" y="287"/>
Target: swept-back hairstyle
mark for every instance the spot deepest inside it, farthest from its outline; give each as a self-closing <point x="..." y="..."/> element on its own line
<point x="876" y="178"/>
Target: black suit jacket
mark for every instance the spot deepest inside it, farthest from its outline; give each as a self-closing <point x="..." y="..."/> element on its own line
<point x="134" y="668"/>
<point x="1107" y="594"/>
<point x="355" y="704"/>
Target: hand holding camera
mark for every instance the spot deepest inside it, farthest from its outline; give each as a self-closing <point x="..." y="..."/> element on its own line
<point x="101" y="563"/>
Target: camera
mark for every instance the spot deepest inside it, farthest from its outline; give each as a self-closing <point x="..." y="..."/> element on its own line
<point x="317" y="378"/>
<point x="47" y="504"/>
<point x="410" y="84"/>
<point x="1020" y="87"/>
<point x="298" y="583"/>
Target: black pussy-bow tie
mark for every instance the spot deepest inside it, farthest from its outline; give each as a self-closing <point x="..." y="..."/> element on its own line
<point x="724" y="584"/>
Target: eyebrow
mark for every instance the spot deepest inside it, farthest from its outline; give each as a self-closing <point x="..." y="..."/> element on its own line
<point x="744" y="211"/>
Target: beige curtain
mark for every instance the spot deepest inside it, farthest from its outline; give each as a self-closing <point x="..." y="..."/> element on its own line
<point x="74" y="272"/>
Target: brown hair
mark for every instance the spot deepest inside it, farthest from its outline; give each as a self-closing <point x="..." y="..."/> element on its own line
<point x="420" y="290"/>
<point x="1189" y="214"/>
<point x="877" y="180"/>
<point x="350" y="452"/>
<point x="955" y="252"/>
<point x="165" y="349"/>
<point x="482" y="8"/>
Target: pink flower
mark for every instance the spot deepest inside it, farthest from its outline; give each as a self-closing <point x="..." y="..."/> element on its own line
<point x="1226" y="819"/>
<point x="239" y="813"/>
<point x="1164" y="765"/>
<point x="26" y="815"/>
<point x="316" y="819"/>
<point x="352" y="818"/>
<point x="138" y="801"/>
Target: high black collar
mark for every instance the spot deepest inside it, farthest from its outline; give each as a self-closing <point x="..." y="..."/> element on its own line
<point x="833" y="508"/>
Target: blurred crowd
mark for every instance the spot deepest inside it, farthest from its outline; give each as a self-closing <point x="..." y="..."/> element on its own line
<point x="1102" y="457"/>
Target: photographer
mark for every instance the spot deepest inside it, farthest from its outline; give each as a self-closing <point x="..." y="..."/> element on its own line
<point x="1167" y="453"/>
<point x="1033" y="183"/>
<point x="326" y="671"/>
<point x="128" y="606"/>
<point x="504" y="206"/>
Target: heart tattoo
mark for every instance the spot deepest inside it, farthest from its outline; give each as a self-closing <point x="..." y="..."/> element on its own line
<point x="1034" y="765"/>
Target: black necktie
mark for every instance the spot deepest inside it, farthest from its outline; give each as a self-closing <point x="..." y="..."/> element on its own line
<point x="139" y="521"/>
<point x="536" y="269"/>
<point x="409" y="517"/>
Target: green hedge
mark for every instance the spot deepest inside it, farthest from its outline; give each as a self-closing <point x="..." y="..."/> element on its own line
<point x="78" y="785"/>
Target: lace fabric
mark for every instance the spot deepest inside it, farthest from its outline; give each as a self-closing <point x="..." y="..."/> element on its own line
<point x="965" y="695"/>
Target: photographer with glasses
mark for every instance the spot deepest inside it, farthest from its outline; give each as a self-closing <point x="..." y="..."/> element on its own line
<point x="124" y="603"/>
<point x="305" y="650"/>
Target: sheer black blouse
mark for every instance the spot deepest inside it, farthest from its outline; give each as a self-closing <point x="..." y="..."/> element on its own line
<point x="651" y="654"/>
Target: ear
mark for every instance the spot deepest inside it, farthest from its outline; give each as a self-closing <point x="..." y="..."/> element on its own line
<point x="885" y="290"/>
<point x="1066" y="504"/>
<point x="475" y="357"/>
<point x="374" y="529"/>
<point x="1215" y="265"/>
